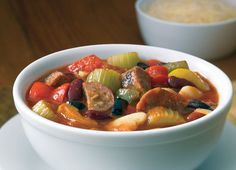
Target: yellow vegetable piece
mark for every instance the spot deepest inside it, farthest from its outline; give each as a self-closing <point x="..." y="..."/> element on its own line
<point x="44" y="109"/>
<point x="203" y="111"/>
<point x="158" y="117"/>
<point x="190" y="76"/>
<point x="126" y="60"/>
<point x="71" y="116"/>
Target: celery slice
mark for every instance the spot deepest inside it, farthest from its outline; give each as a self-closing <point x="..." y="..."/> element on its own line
<point x="126" y="60"/>
<point x="44" y="109"/>
<point x="109" y="78"/>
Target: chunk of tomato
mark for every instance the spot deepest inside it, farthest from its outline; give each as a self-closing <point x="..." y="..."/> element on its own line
<point x="152" y="62"/>
<point x="158" y="74"/>
<point x="86" y="64"/>
<point x="60" y="94"/>
<point x="39" y="91"/>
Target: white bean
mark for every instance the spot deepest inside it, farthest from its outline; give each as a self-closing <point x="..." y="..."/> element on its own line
<point x="190" y="92"/>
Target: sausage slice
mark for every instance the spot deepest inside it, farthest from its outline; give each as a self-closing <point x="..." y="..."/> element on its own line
<point x="161" y="97"/>
<point x="99" y="97"/>
<point x="136" y="78"/>
<point x="57" y="78"/>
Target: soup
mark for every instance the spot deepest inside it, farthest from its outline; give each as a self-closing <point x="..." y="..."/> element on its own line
<point x="122" y="93"/>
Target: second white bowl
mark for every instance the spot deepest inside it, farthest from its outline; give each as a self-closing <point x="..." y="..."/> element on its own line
<point x="208" y="41"/>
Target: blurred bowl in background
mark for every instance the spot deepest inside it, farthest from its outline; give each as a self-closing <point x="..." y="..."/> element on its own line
<point x="208" y="41"/>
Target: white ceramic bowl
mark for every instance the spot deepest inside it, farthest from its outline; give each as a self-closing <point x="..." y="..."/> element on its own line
<point x="181" y="147"/>
<point x="208" y="41"/>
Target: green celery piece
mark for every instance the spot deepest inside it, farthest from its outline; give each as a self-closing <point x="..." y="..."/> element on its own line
<point x="174" y="65"/>
<point x="130" y="95"/>
<point x="125" y="60"/>
<point x="44" y="109"/>
<point x="107" y="77"/>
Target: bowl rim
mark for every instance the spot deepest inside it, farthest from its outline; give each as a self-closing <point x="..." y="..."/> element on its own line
<point x="140" y="11"/>
<point x="30" y="115"/>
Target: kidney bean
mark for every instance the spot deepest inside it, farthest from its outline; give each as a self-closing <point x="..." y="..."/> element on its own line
<point x="75" y="90"/>
<point x="194" y="115"/>
<point x="96" y="115"/>
<point x="178" y="82"/>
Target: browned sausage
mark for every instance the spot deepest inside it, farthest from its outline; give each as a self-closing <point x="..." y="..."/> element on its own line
<point x="161" y="97"/>
<point x="57" y="78"/>
<point x="99" y="97"/>
<point x="136" y="78"/>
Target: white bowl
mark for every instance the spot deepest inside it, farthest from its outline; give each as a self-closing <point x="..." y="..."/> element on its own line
<point x="208" y="41"/>
<point x="181" y="147"/>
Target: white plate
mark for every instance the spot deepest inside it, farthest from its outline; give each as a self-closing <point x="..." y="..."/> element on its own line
<point x="16" y="152"/>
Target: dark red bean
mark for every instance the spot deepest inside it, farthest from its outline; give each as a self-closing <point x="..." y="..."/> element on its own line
<point x="178" y="82"/>
<point x="75" y="91"/>
<point x="97" y="115"/>
<point x="194" y="115"/>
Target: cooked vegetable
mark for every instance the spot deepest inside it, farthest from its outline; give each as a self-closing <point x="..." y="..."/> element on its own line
<point x="75" y="91"/>
<point x="178" y="82"/>
<point x="142" y="65"/>
<point x="158" y="117"/>
<point x="59" y="95"/>
<point x="190" y="92"/>
<point x="82" y="75"/>
<point x="127" y="123"/>
<point x="115" y="68"/>
<point x="97" y="115"/>
<point x="86" y="64"/>
<point x="39" y="91"/>
<point x="203" y="111"/>
<point x="130" y="95"/>
<point x="161" y="97"/>
<point x="44" y="109"/>
<point x="136" y="78"/>
<point x="198" y="104"/>
<point x="174" y="65"/>
<point x="158" y="74"/>
<point x="99" y="97"/>
<point x="190" y="76"/>
<point x="71" y="116"/>
<point x="77" y="104"/>
<point x="109" y="78"/>
<point x="58" y="78"/>
<point x="194" y="115"/>
<point x="126" y="60"/>
<point x="153" y="62"/>
<point x="119" y="107"/>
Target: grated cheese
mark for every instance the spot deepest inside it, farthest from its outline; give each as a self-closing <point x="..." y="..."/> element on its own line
<point x="192" y="11"/>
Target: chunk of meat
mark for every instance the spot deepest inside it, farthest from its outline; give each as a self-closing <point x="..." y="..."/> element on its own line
<point x="99" y="97"/>
<point x="161" y="97"/>
<point x="58" y="78"/>
<point x="136" y="78"/>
